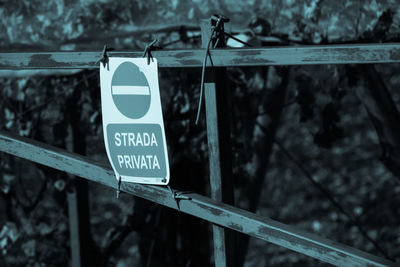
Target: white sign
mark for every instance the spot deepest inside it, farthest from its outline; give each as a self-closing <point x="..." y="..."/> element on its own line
<point x="133" y="124"/>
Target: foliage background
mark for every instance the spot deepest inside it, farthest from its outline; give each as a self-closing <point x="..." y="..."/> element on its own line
<point x="324" y="133"/>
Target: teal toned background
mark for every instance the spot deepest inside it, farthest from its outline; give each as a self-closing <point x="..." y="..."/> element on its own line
<point x="320" y="127"/>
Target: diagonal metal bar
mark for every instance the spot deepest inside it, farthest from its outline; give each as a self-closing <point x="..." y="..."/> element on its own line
<point x="227" y="57"/>
<point x="199" y="206"/>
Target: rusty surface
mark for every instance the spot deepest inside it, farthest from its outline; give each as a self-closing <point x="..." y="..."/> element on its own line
<point x="199" y="206"/>
<point x="227" y="57"/>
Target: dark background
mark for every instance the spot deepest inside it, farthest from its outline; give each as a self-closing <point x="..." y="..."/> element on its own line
<point x="313" y="146"/>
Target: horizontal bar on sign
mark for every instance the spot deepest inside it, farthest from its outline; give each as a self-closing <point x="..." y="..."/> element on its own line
<point x="197" y="205"/>
<point x="224" y="57"/>
<point x="130" y="90"/>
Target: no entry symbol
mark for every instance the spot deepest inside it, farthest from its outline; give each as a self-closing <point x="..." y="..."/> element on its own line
<point x="130" y="91"/>
<point x="133" y="125"/>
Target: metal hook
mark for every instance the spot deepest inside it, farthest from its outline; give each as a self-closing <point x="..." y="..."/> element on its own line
<point x="150" y="47"/>
<point x="218" y="27"/>
<point x="104" y="56"/>
<point x="178" y="196"/>
<point x="119" y="187"/>
<point x="216" y="32"/>
<point x="219" y="18"/>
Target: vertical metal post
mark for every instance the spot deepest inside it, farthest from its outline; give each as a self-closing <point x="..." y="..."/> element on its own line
<point x="78" y="224"/>
<point x="78" y="201"/>
<point x="219" y="148"/>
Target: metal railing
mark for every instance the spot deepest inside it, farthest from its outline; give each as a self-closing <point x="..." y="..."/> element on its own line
<point x="197" y="205"/>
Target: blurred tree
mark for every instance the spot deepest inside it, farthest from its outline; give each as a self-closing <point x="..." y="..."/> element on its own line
<point x="322" y="131"/>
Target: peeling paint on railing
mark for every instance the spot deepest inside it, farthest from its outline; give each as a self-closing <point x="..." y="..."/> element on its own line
<point x="199" y="206"/>
<point x="226" y="57"/>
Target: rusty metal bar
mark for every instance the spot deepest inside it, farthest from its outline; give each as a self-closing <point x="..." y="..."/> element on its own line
<point x="219" y="147"/>
<point x="226" y="57"/>
<point x="78" y="196"/>
<point x="199" y="206"/>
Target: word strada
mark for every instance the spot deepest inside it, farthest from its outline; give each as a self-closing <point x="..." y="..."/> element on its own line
<point x="148" y="162"/>
<point x="137" y="161"/>
<point x="138" y="139"/>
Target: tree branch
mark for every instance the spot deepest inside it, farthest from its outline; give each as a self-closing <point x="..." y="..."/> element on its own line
<point x="263" y="147"/>
<point x="383" y="114"/>
<point x="120" y="234"/>
<point x="376" y="98"/>
<point x="327" y="194"/>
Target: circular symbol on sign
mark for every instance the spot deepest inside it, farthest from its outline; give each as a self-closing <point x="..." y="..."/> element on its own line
<point x="130" y="91"/>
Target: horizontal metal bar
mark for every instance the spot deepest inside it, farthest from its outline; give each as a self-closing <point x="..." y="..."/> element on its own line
<point x="199" y="206"/>
<point x="289" y="55"/>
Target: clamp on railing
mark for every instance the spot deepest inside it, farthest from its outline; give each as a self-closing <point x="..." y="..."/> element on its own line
<point x="150" y="47"/>
<point x="104" y="56"/>
<point x="178" y="196"/>
<point x="218" y="28"/>
<point x="217" y="31"/>
<point x="119" y="187"/>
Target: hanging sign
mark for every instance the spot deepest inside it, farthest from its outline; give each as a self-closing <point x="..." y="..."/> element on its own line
<point x="133" y="124"/>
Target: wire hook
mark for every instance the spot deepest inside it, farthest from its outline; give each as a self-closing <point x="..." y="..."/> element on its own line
<point x="150" y="47"/>
<point x="178" y="196"/>
<point x="104" y="56"/>
<point x="119" y="187"/>
<point x="216" y="32"/>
